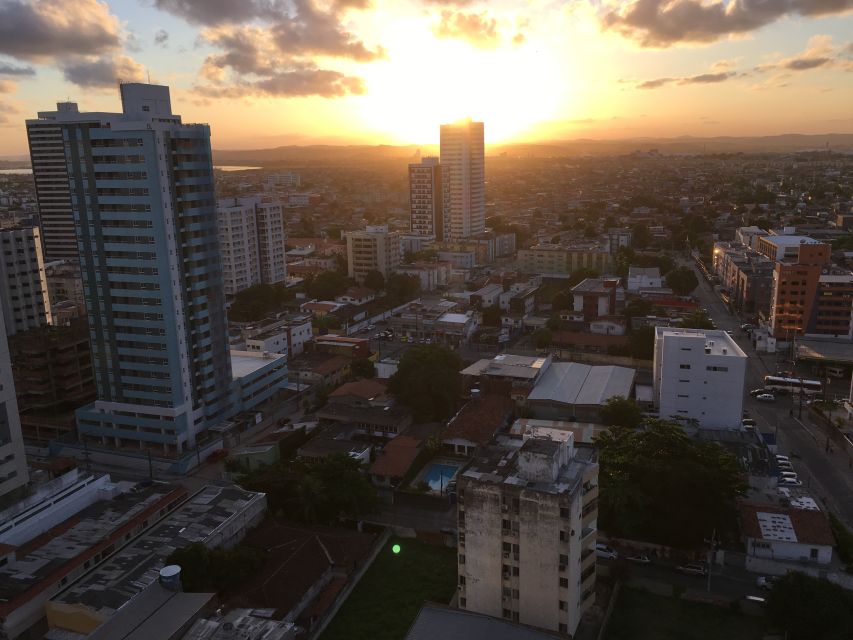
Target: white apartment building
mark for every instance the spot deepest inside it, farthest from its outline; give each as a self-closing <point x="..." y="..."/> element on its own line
<point x="23" y="287"/>
<point x="251" y="242"/>
<point x="699" y="376"/>
<point x="374" y="248"/>
<point x="13" y="462"/>
<point x="463" y="179"/>
<point x="426" y="199"/>
<point x="527" y="533"/>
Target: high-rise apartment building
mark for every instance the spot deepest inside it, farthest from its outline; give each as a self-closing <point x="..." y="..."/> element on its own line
<point x="527" y="532"/>
<point x="141" y="191"/>
<point x="463" y="179"/>
<point x="426" y="199"/>
<point x="698" y="377"/>
<point x="251" y="241"/>
<point x="53" y="193"/>
<point x="373" y="249"/>
<point x="809" y="295"/>
<point x="23" y="288"/>
<point x="13" y="462"/>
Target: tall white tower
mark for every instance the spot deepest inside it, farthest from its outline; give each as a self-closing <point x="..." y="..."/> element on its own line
<point x="463" y="176"/>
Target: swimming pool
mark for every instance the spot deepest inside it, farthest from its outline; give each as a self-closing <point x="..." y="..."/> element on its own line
<point x="438" y="475"/>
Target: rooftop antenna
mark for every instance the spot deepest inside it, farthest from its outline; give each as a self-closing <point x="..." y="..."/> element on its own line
<point x="149" y="75"/>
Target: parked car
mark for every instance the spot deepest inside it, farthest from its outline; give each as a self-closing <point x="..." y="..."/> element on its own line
<point x="784" y="466"/>
<point x="693" y="569"/>
<point x="781" y="458"/>
<point x="788" y="475"/>
<point x="766" y="582"/>
<point x="603" y="551"/>
<point x="748" y="422"/>
<point x="757" y="392"/>
<point x="766" y="397"/>
<point x="639" y="558"/>
<point x="745" y="327"/>
<point x="790" y="482"/>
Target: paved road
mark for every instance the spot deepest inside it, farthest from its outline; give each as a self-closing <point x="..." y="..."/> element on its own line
<point x="828" y="476"/>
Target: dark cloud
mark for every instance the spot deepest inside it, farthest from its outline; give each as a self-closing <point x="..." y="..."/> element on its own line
<point x="161" y="38"/>
<point x="10" y="70"/>
<point x="39" y="30"/>
<point x="663" y="23"/>
<point x="804" y="64"/>
<point x="217" y="12"/>
<point x="302" y="82"/>
<point x="479" y="29"/>
<point x="707" y="78"/>
<point x="102" y="72"/>
<point x="655" y="84"/>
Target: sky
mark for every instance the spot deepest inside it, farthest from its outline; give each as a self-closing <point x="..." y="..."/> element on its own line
<point x="266" y="73"/>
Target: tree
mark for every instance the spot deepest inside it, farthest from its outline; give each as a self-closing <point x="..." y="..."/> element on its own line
<point x="658" y="484"/>
<point x="492" y="316"/>
<point x="554" y="323"/>
<point x="640" y="236"/>
<point x="374" y="280"/>
<point x="808" y="608"/>
<point x="697" y="320"/>
<point x="639" y="307"/>
<point x="220" y="569"/>
<point x="579" y="275"/>
<point x="362" y="368"/>
<point x="328" y="285"/>
<point x="621" y="412"/>
<point x="682" y="280"/>
<point x="542" y="338"/>
<point x="258" y="301"/>
<point x="400" y="288"/>
<point x="428" y="382"/>
<point x="562" y="300"/>
<point x="642" y="343"/>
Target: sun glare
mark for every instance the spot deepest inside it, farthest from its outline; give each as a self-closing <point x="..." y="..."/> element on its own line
<point x="426" y="82"/>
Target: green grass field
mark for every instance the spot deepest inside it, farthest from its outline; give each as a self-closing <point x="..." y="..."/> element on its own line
<point x="639" y="615"/>
<point x="387" y="599"/>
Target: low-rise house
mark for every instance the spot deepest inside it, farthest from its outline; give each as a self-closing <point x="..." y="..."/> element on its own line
<point x="786" y="534"/>
<point x="644" y="278"/>
<point x="394" y="461"/>
<point x="476" y="423"/>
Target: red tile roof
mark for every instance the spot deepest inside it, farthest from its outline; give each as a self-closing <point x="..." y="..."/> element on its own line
<point x="479" y="419"/>
<point x="397" y="457"/>
<point x="364" y="389"/>
<point x="810" y="526"/>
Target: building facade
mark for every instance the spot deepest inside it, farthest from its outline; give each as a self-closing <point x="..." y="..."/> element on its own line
<point x="251" y="241"/>
<point x="698" y="377"/>
<point x="142" y="198"/>
<point x="527" y="531"/>
<point x="463" y="179"/>
<point x="373" y="249"/>
<point x="426" y="199"/>
<point x="555" y="259"/>
<point x="23" y="288"/>
<point x="13" y="462"/>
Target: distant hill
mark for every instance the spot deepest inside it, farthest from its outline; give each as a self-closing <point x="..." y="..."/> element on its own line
<point x="355" y="154"/>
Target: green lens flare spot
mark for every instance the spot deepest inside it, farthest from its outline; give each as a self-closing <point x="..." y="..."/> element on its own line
<point x="396" y="548"/>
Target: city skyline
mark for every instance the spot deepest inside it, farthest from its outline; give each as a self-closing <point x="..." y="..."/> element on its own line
<point x="263" y="75"/>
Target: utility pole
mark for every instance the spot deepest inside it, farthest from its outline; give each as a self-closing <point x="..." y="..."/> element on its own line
<point x="711" y="548"/>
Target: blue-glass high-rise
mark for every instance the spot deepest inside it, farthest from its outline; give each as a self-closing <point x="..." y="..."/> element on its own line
<point x="141" y="192"/>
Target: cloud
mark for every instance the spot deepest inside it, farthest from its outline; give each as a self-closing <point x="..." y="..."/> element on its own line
<point x="477" y="28"/>
<point x="663" y="23"/>
<point x="7" y="86"/>
<point x="39" y="30"/>
<point x="707" y="78"/>
<point x="7" y="110"/>
<point x="161" y="38"/>
<point x="655" y="84"/>
<point x="102" y="72"/>
<point x="303" y="82"/>
<point x="819" y="52"/>
<point x="218" y="12"/>
<point x="10" y="70"/>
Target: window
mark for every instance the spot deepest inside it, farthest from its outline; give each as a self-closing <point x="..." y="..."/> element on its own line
<point x="683" y="395"/>
<point x="564" y="512"/>
<point x="461" y="558"/>
<point x="462" y="603"/>
<point x="563" y="628"/>
<point x="515" y="571"/>
<point x="563" y="605"/>
<point x="813" y="554"/>
<point x="564" y="559"/>
<point x="507" y="613"/>
<point x="563" y="536"/>
<point x="717" y="368"/>
<point x="564" y="583"/>
<point x="461" y="580"/>
<point x="684" y="366"/>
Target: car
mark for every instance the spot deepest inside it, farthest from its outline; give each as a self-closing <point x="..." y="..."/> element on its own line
<point x="371" y="327"/>
<point x="377" y="336"/>
<point x="639" y="558"/>
<point x="605" y="552"/>
<point x="784" y="466"/>
<point x="781" y="458"/>
<point x="693" y="569"/>
<point x="730" y="332"/>
<point x="745" y="326"/>
<point x="766" y="397"/>
<point x="790" y="482"/>
<point x="766" y="582"/>
<point x="411" y="340"/>
<point x="789" y="475"/>
<point x="748" y="422"/>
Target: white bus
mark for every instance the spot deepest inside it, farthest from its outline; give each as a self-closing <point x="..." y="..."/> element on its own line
<point x="793" y="385"/>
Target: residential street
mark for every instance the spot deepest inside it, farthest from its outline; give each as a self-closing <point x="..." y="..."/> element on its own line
<point x="828" y="475"/>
